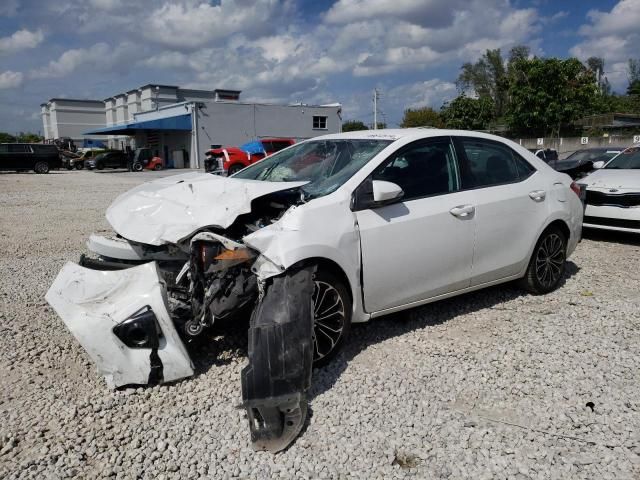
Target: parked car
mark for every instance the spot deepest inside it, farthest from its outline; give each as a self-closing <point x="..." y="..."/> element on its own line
<point x="38" y="157"/>
<point x="337" y="229"/>
<point x="144" y="158"/>
<point x="580" y="163"/>
<point x="109" y="159"/>
<point x="613" y="193"/>
<point x="548" y="154"/>
<point x="230" y="160"/>
<point x="77" y="162"/>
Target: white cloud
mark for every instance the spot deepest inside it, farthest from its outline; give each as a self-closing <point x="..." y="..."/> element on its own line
<point x="20" y="40"/>
<point x="396" y="45"/>
<point x="622" y="19"/>
<point x="106" y="4"/>
<point x="8" y="8"/>
<point x="189" y="25"/>
<point x="431" y="93"/>
<point x="101" y="57"/>
<point x="430" y="13"/>
<point x="614" y="36"/>
<point x="10" y="79"/>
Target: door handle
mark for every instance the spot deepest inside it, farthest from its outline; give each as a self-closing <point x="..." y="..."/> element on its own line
<point x="462" y="211"/>
<point x="538" y="195"/>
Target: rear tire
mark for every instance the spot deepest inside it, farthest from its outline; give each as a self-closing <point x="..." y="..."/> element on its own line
<point x="157" y="167"/>
<point x="41" y="167"/>
<point x="137" y="167"/>
<point x="547" y="265"/>
<point x="235" y="168"/>
<point x="332" y="308"/>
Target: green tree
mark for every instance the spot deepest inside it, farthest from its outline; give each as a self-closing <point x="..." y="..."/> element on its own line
<point x="519" y="52"/>
<point x="6" y="137"/>
<point x="596" y="65"/>
<point x="421" y="117"/>
<point x="487" y="78"/>
<point x="29" y="137"/>
<point x="633" y="72"/>
<point x="548" y="94"/>
<point x="465" y="113"/>
<point x="353" y="126"/>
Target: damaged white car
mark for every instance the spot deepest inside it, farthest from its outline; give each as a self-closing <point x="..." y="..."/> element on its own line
<point x="334" y="230"/>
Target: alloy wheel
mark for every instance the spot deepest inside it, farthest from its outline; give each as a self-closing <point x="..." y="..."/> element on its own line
<point x="550" y="260"/>
<point x="329" y="319"/>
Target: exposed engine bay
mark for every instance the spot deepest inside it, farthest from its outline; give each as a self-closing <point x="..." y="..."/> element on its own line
<point x="152" y="299"/>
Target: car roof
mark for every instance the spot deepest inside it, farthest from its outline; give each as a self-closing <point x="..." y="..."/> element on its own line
<point x="405" y="133"/>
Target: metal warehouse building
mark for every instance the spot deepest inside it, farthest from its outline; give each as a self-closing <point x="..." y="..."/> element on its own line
<point x="181" y="124"/>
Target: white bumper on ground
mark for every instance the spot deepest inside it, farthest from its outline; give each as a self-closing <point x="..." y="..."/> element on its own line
<point x="92" y="302"/>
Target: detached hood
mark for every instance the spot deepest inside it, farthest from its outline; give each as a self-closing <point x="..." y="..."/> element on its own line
<point x="623" y="179"/>
<point x="169" y="209"/>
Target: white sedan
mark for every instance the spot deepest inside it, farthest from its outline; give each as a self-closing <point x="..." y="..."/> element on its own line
<point x="337" y="229"/>
<point x="613" y="193"/>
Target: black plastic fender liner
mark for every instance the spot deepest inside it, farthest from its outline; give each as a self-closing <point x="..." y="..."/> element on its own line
<point x="275" y="383"/>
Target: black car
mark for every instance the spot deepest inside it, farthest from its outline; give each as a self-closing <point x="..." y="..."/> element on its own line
<point x="38" y="157"/>
<point x="113" y="159"/>
<point x="548" y="154"/>
<point x="579" y="163"/>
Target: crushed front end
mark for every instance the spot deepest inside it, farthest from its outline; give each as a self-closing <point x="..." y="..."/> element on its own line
<point x="134" y="307"/>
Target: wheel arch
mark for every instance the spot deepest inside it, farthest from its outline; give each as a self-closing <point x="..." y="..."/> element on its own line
<point x="557" y="223"/>
<point x="561" y="225"/>
<point x="330" y="266"/>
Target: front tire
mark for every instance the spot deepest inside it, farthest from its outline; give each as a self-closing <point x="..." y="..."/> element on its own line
<point x="332" y="308"/>
<point x="41" y="167"/>
<point x="547" y="265"/>
<point x="137" y="167"/>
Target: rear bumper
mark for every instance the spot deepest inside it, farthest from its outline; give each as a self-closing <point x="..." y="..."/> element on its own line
<point x="92" y="303"/>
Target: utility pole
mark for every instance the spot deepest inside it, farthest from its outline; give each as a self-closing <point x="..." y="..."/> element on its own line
<point x="376" y="95"/>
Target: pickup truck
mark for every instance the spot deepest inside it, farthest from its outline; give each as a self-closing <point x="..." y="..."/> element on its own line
<point x="230" y="160"/>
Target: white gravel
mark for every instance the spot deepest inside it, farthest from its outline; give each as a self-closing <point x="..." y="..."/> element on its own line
<point x="494" y="384"/>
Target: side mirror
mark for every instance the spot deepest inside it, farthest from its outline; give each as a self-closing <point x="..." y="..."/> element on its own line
<point x="375" y="193"/>
<point x="386" y="192"/>
<point x="598" y="165"/>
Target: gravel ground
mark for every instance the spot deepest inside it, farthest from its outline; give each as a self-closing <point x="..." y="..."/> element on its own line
<point x="494" y="384"/>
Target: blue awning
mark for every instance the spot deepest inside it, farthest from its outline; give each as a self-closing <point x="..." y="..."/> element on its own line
<point x="179" y="122"/>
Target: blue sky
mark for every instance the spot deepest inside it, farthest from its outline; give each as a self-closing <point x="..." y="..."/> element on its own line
<point x="290" y="50"/>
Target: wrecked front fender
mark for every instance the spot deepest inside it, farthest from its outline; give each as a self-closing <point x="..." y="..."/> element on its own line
<point x="121" y="319"/>
<point x="275" y="383"/>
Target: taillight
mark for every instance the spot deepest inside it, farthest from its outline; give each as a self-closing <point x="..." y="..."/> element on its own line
<point x="576" y="189"/>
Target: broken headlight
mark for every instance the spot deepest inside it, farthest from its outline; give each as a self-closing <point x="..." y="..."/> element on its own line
<point x="140" y="330"/>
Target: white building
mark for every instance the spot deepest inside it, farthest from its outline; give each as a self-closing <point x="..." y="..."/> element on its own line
<point x="179" y="123"/>
<point x="68" y="117"/>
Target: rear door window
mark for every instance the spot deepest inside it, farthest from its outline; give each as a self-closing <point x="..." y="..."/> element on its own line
<point x="17" y="148"/>
<point x="487" y="162"/>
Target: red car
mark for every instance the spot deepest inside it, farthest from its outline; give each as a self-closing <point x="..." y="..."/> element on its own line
<point x="230" y="160"/>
